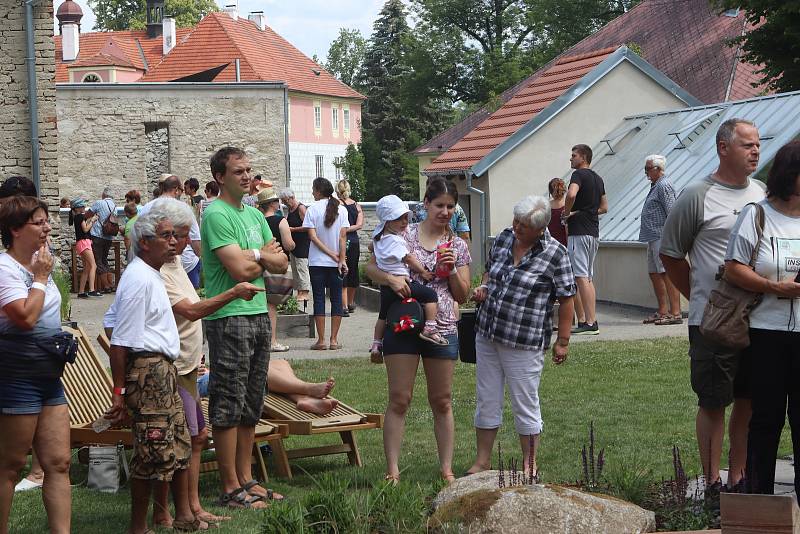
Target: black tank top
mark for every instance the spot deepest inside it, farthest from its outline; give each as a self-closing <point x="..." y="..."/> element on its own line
<point x="352" y="217"/>
<point x="274" y="222"/>
<point x="301" y="240"/>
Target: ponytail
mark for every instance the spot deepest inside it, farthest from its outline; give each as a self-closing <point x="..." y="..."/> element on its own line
<point x="71" y="218"/>
<point x="325" y="189"/>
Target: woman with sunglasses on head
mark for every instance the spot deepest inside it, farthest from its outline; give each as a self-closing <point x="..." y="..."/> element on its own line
<point x="33" y="408"/>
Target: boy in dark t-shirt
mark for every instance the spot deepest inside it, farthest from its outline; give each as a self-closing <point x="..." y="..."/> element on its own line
<point x="586" y="200"/>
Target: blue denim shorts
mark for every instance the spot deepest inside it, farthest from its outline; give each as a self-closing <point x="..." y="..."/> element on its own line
<point x="410" y="343"/>
<point x="23" y="396"/>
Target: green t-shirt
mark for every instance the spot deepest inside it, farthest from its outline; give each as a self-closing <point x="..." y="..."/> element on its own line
<point x="129" y="225"/>
<point x="225" y="225"/>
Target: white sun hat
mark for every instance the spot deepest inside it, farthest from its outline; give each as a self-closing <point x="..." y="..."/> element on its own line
<point x="388" y="209"/>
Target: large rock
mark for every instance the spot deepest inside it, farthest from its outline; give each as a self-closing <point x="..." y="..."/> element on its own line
<point x="476" y="503"/>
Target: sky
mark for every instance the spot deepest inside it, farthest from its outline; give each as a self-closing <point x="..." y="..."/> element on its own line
<point x="310" y="25"/>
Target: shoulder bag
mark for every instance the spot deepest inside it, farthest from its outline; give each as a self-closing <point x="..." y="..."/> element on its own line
<point x="726" y="318"/>
<point x="111" y="224"/>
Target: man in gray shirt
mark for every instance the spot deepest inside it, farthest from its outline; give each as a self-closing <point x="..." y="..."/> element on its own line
<point x="101" y="242"/>
<point x="699" y="226"/>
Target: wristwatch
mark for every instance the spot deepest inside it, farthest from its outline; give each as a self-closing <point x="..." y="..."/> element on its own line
<point x="119" y="391"/>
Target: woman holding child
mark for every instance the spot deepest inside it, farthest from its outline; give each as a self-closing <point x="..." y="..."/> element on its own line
<point x="430" y="242"/>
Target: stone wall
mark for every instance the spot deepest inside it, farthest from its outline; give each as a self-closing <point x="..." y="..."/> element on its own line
<point x="15" y="149"/>
<point x="125" y="135"/>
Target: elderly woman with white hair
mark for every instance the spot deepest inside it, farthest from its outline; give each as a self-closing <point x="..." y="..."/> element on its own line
<point x="527" y="270"/>
<point x="657" y="206"/>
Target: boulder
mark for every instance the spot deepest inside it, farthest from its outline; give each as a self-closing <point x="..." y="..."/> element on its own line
<point x="478" y="505"/>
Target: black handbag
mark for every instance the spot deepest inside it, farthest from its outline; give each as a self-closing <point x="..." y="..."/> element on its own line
<point x="405" y="316"/>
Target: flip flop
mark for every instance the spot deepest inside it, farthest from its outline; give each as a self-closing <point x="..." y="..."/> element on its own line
<point x="335" y="346"/>
<point x="654" y="317"/>
<point x="317" y="346"/>
<point x="669" y="319"/>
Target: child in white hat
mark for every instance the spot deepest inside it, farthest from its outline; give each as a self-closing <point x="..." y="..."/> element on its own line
<point x="393" y="256"/>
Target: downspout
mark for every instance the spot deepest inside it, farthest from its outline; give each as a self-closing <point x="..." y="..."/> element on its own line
<point x="482" y="225"/>
<point x="286" y="160"/>
<point x="33" y="108"/>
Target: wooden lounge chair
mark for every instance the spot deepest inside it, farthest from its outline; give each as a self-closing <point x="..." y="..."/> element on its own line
<point x="88" y="386"/>
<point x="343" y="419"/>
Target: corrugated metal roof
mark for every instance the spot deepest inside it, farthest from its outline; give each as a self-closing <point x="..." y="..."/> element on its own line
<point x="777" y="118"/>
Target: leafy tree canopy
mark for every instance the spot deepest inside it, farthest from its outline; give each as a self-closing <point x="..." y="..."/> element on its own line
<point x="115" y="15"/>
<point x="773" y="41"/>
<point x="346" y="56"/>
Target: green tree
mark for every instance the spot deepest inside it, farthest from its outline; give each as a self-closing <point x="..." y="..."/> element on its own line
<point x="115" y="15"/>
<point x="773" y="40"/>
<point x="352" y="167"/>
<point x="500" y="42"/>
<point x="346" y="56"/>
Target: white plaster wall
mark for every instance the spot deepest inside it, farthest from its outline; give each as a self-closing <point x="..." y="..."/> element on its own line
<point x="303" y="168"/>
<point x="545" y="154"/>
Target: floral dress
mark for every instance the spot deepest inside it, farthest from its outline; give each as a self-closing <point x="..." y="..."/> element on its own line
<point x="448" y="308"/>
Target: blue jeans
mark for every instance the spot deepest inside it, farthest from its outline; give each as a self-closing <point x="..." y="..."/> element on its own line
<point x="326" y="277"/>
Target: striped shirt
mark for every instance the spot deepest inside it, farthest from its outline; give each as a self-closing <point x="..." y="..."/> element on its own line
<point x="517" y="311"/>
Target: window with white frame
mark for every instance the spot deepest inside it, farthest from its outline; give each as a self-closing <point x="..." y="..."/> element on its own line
<point x="346" y="118"/>
<point x="319" y="163"/>
<point x="335" y="118"/>
<point x="317" y="116"/>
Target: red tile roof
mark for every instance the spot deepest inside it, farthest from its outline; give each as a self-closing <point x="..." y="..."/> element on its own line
<point x="684" y="39"/>
<point x="132" y="45"/>
<point x="528" y="101"/>
<point x="263" y="56"/>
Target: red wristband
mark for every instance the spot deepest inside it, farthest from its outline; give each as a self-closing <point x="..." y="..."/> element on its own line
<point x="119" y="391"/>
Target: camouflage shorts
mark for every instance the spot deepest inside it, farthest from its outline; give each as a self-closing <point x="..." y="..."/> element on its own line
<point x="161" y="442"/>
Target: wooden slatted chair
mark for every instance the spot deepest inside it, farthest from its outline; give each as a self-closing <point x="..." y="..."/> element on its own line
<point x="88" y="386"/>
<point x="343" y="419"/>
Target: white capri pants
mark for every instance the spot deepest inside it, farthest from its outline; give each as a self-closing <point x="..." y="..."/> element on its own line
<point x="520" y="370"/>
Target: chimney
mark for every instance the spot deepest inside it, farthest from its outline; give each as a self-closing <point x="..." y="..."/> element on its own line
<point x="259" y="19"/>
<point x="232" y="10"/>
<point x="70" y="41"/>
<point x="168" y="34"/>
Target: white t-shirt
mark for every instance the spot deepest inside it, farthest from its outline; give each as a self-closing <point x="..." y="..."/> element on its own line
<point x="315" y="218"/>
<point x="390" y="250"/>
<point x="699" y="226"/>
<point x="141" y="315"/>
<point x="15" y="283"/>
<point x="778" y="259"/>
<point x="188" y="258"/>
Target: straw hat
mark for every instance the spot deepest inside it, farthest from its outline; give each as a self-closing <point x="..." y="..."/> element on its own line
<point x="267" y="195"/>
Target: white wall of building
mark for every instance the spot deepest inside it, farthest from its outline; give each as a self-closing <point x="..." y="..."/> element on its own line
<point x="302" y="166"/>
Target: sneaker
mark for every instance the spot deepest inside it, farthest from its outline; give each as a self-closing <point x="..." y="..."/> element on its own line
<point x="95" y="294"/>
<point x="27" y="484"/>
<point x="587" y="329"/>
<point x="83" y="295"/>
<point x="351" y="308"/>
<point x="578" y="327"/>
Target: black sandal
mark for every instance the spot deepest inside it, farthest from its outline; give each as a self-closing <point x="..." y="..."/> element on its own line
<point x="238" y="498"/>
<point x="270" y="493"/>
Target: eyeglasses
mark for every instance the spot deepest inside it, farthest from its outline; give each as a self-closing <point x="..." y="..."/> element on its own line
<point x="40" y="224"/>
<point x="166" y="236"/>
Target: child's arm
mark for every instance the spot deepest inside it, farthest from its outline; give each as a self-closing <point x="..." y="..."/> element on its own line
<point x="414" y="264"/>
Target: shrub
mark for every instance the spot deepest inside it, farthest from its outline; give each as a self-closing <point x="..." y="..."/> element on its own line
<point x="62" y="281"/>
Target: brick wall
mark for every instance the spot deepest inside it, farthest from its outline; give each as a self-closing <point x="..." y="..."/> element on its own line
<point x="15" y="149"/>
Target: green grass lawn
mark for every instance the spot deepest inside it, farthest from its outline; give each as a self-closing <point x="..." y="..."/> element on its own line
<point x="637" y="394"/>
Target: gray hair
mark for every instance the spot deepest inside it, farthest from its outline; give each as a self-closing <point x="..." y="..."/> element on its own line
<point x="727" y="130"/>
<point x="657" y="160"/>
<point x="107" y="192"/>
<point x="162" y="209"/>
<point x="533" y="211"/>
<point x="285" y="194"/>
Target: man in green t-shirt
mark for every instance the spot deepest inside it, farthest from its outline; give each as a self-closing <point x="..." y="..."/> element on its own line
<point x="237" y="246"/>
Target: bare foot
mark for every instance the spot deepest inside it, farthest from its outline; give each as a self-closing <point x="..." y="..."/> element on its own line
<point x="475" y="469"/>
<point x="162" y="520"/>
<point x="321" y="390"/>
<point x="317" y="406"/>
<point x="208" y="517"/>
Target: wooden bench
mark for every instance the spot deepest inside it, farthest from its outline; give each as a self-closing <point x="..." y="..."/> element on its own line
<point x="343" y="419"/>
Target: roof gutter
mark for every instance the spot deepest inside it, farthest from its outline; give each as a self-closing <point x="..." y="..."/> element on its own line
<point x="286" y="136"/>
<point x="482" y="226"/>
<point x="33" y="104"/>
